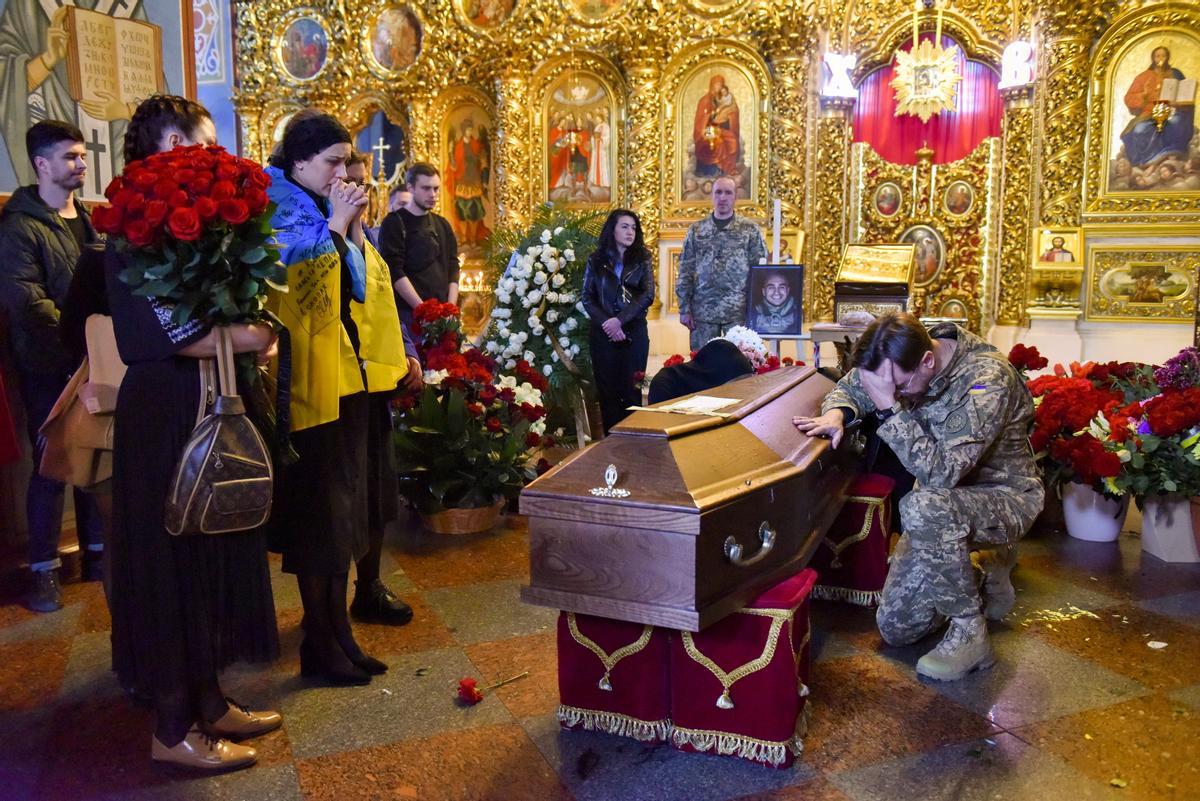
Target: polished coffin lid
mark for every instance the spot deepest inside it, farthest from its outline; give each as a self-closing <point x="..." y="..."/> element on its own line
<point x="659" y="476"/>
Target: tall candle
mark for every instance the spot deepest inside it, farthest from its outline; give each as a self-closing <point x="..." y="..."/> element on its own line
<point x="778" y="219"/>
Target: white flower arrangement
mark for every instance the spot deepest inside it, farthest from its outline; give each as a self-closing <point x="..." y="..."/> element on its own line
<point x="749" y="343"/>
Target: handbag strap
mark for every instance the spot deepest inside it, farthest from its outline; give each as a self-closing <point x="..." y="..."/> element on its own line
<point x="225" y="363"/>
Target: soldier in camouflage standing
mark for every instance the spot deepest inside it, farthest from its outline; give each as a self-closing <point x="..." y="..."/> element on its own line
<point x="958" y="417"/>
<point x="714" y="269"/>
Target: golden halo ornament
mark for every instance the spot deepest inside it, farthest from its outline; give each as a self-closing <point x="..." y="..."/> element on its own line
<point x="926" y="81"/>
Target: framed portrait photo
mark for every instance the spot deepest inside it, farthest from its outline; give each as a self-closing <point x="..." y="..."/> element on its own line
<point x="775" y="302"/>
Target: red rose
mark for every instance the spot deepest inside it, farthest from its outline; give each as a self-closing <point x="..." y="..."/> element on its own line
<point x="164" y="189"/>
<point x="207" y="208"/>
<point x="671" y="361"/>
<point x="227" y="172"/>
<point x="134" y="203"/>
<point x="184" y="224"/>
<point x="468" y="692"/>
<point x="155" y="213"/>
<point x="222" y="190"/>
<point x="114" y="186"/>
<point x="532" y="440"/>
<point x="493" y="424"/>
<point x="107" y="219"/>
<point x="475" y="409"/>
<point x="257" y="200"/>
<point x="200" y="184"/>
<point x="143" y="180"/>
<point x="139" y="233"/>
<point x="258" y="179"/>
<point x="508" y="395"/>
<point x="234" y="212"/>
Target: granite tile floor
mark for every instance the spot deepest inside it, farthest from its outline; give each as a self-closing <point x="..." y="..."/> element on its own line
<point x="1079" y="706"/>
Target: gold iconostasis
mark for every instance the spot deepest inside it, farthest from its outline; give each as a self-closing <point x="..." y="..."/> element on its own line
<point x="1053" y="168"/>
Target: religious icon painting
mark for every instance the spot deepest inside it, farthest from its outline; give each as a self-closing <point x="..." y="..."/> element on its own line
<point x="887" y="199"/>
<point x="580" y="157"/>
<point x="1152" y="140"/>
<point x="485" y="15"/>
<point x="302" y="47"/>
<point x="775" y="303"/>
<point x="1059" y="248"/>
<point x="590" y="12"/>
<point x="953" y="309"/>
<point x="717" y="116"/>
<point x="1141" y="281"/>
<point x="386" y="143"/>
<point x="958" y="199"/>
<point x="468" y="186"/>
<point x="392" y="39"/>
<point x="930" y="252"/>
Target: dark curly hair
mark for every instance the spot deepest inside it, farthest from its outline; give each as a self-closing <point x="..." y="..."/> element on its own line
<point x="306" y="134"/>
<point x="154" y="116"/>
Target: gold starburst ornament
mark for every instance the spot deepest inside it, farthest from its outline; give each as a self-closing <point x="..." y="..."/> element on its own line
<point x="926" y="81"/>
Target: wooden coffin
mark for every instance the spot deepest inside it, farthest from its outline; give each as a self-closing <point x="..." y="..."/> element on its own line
<point x="679" y="519"/>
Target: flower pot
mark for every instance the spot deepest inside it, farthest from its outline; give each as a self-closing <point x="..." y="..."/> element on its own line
<point x="1171" y="528"/>
<point x="1091" y="516"/>
<point x="464" y="521"/>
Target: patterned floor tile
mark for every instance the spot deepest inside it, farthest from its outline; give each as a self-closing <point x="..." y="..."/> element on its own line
<point x="1118" y="569"/>
<point x="1184" y="607"/>
<point x="537" y="693"/>
<point x="89" y="669"/>
<point x="492" y="763"/>
<point x="1118" y="641"/>
<point x="866" y="710"/>
<point x="602" y="767"/>
<point x="1001" y="767"/>
<point x="484" y="612"/>
<point x="24" y="626"/>
<point x="415" y="698"/>
<point x="453" y="560"/>
<point x="31" y="672"/>
<point x="1189" y="696"/>
<point x="1151" y="745"/>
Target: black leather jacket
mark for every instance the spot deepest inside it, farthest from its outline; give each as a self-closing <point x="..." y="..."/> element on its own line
<point x="605" y="296"/>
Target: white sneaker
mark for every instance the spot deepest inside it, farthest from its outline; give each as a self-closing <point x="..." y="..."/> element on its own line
<point x="964" y="648"/>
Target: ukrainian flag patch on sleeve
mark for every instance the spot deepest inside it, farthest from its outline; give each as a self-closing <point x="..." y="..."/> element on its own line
<point x="977" y="389"/>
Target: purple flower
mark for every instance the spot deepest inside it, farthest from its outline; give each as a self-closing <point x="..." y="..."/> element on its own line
<point x="1143" y="427"/>
<point x="1181" y="371"/>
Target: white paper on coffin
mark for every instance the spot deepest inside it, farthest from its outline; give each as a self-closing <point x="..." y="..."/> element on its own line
<point x="1169" y="528"/>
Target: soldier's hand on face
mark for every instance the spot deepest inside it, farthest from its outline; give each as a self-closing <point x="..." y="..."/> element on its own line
<point x="686" y="320"/>
<point x="879" y="385"/>
<point x="827" y="425"/>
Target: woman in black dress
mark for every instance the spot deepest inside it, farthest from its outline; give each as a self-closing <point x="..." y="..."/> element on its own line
<point x="183" y="608"/>
<point x="618" y="288"/>
<point x="341" y="311"/>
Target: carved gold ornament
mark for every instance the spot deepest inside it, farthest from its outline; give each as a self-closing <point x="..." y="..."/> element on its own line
<point x="926" y="81"/>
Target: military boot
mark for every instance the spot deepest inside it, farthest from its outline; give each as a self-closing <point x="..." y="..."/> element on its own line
<point x="998" y="594"/>
<point x="964" y="648"/>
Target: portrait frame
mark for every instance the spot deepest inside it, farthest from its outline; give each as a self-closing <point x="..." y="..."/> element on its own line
<point x="294" y="17"/>
<point x="950" y="210"/>
<point x="909" y="237"/>
<point x="876" y="206"/>
<point x="588" y="68"/>
<point x="367" y="37"/>
<point x="1045" y="243"/>
<point x="466" y="22"/>
<point x="670" y="250"/>
<point x="578" y="15"/>
<point x="1114" y="272"/>
<point x="678" y="77"/>
<point x="446" y="110"/>
<point x="793" y="323"/>
<point x="1131" y="34"/>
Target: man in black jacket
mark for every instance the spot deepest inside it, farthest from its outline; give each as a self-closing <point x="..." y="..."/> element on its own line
<point x="42" y="231"/>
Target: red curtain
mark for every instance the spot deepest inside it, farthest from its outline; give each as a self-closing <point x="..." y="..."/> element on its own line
<point x="953" y="135"/>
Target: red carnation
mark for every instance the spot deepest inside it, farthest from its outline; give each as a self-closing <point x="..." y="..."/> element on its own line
<point x="184" y="224"/>
<point x="468" y="692"/>
<point x="234" y="212"/>
<point x="671" y="361"/>
<point x="1026" y="358"/>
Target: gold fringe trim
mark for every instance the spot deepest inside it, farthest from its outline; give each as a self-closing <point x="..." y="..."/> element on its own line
<point x="727" y="680"/>
<point x="609" y="661"/>
<point x="728" y="744"/>
<point x="824" y="592"/>
<point x="872" y="505"/>
<point x="615" y="723"/>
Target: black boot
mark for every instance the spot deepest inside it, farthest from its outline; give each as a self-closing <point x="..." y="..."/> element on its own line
<point x="92" y="566"/>
<point x="320" y="654"/>
<point x="342" y="631"/>
<point x="45" y="593"/>
<point x="375" y="603"/>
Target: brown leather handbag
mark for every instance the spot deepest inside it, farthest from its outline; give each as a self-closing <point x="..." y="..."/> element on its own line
<point x="223" y="481"/>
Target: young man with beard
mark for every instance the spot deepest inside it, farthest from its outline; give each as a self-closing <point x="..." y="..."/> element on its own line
<point x="43" y="229"/>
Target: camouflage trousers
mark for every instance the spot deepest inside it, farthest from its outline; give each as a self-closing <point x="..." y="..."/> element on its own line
<point x="705" y="330"/>
<point x="931" y="577"/>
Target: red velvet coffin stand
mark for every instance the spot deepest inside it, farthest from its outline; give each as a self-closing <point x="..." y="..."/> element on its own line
<point x="736" y="688"/>
<point x="852" y="560"/>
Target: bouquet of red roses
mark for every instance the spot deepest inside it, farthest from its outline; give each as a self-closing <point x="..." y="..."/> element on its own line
<point x="194" y="224"/>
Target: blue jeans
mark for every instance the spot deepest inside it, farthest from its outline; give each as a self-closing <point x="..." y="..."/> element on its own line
<point x="44" y="500"/>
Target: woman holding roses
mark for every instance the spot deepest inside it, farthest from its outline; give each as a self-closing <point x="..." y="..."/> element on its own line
<point x="183" y="608"/>
<point x="346" y="343"/>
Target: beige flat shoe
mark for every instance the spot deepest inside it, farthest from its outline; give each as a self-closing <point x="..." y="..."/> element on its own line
<point x="240" y="723"/>
<point x="204" y="752"/>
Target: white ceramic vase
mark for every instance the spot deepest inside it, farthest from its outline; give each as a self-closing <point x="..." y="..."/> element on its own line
<point x="1091" y="516"/>
<point x="1171" y="528"/>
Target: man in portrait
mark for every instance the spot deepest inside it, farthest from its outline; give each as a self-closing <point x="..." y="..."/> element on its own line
<point x="716" y="131"/>
<point x="467" y="177"/>
<point x="1058" y="251"/>
<point x="775" y="312"/>
<point x="928" y="254"/>
<point x="34" y="86"/>
<point x="958" y="198"/>
<point x="1148" y="148"/>
<point x="887" y="200"/>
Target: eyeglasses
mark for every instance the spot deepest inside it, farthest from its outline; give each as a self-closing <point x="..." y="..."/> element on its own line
<point x="902" y="389"/>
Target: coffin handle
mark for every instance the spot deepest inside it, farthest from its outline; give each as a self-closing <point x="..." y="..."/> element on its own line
<point x="733" y="548"/>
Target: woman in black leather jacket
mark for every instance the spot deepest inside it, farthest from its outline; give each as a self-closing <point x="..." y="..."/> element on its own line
<point x="618" y="288"/>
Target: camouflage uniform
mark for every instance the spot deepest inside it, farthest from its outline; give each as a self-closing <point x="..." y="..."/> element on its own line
<point x="967" y="443"/>
<point x="714" y="272"/>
